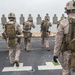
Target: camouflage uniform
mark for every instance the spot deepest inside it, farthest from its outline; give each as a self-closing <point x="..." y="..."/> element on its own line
<point x="63" y="28"/>
<point x="66" y="55"/>
<point x="46" y="36"/>
<point x="27" y="40"/>
<point x="14" y="56"/>
<point x="17" y="47"/>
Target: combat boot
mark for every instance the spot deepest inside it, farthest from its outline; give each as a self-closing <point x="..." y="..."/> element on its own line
<point x="27" y="50"/>
<point x="17" y="63"/>
<point x="48" y="49"/>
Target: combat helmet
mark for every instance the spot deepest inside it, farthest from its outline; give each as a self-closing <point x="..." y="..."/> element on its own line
<point x="30" y="20"/>
<point x="11" y="15"/>
<point x="46" y="18"/>
<point x="70" y="7"/>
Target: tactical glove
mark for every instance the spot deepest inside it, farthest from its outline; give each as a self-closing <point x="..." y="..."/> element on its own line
<point x="55" y="59"/>
<point x="4" y="36"/>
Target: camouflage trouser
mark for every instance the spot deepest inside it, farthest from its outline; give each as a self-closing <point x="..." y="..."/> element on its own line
<point x="27" y="43"/>
<point x="66" y="63"/>
<point x="45" y="40"/>
<point x="14" y="53"/>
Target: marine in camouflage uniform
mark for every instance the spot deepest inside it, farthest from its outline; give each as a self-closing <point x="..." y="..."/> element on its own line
<point x="27" y="34"/>
<point x="14" y="57"/>
<point x="63" y="28"/>
<point x="45" y="34"/>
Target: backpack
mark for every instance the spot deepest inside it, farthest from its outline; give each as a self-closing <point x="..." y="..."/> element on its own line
<point x="72" y="34"/>
<point x="72" y="40"/>
<point x="70" y="37"/>
<point x="26" y="30"/>
<point x="44" y="26"/>
<point x="69" y="41"/>
<point x="10" y="30"/>
<point x="26" y="26"/>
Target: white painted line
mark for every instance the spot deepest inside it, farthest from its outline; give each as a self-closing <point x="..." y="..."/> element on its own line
<point x="43" y="68"/>
<point x="52" y="66"/>
<point x="8" y="69"/>
<point x="20" y="68"/>
<point x="49" y="66"/>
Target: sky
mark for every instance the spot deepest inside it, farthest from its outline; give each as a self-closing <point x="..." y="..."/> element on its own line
<point x="33" y="7"/>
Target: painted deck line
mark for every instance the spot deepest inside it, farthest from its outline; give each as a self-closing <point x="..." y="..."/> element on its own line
<point x="49" y="66"/>
<point x="20" y="68"/>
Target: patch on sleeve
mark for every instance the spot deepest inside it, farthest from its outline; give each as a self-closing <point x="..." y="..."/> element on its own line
<point x="64" y="22"/>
